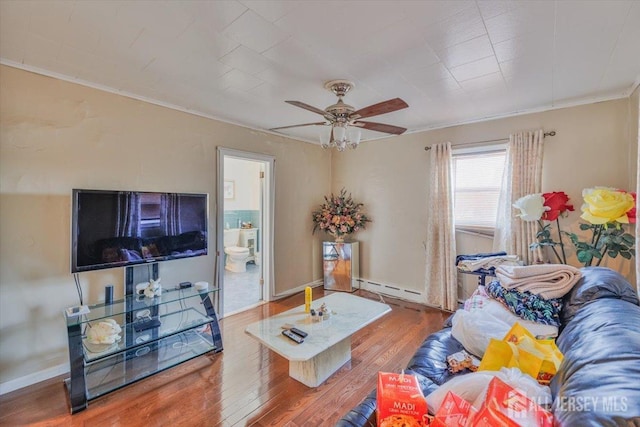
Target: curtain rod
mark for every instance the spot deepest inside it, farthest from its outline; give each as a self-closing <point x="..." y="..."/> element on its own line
<point x="551" y="133"/>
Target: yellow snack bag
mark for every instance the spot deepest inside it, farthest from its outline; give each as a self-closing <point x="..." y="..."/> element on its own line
<point x="520" y="349"/>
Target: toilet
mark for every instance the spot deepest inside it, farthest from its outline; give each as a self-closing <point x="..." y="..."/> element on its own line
<point x="236" y="255"/>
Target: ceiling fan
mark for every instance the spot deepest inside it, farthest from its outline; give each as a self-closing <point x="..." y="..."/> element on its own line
<point x="340" y="116"/>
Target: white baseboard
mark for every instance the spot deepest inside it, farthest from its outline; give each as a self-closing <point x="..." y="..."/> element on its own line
<point x="368" y="285"/>
<point x="36" y="377"/>
<point x="392" y="291"/>
<point x="297" y="289"/>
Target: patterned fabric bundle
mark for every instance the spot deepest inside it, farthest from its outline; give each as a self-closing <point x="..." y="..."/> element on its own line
<point x="526" y="305"/>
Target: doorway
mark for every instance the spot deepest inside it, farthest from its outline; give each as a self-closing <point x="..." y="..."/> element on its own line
<point x="244" y="225"/>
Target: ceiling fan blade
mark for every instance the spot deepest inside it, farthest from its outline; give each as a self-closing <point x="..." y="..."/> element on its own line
<point x="310" y="108"/>
<point x="295" y="126"/>
<point x="380" y="108"/>
<point x="381" y="127"/>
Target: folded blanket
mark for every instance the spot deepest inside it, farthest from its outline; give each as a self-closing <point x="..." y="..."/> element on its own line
<point x="526" y="305"/>
<point x="478" y="256"/>
<point x="488" y="263"/>
<point x="546" y="280"/>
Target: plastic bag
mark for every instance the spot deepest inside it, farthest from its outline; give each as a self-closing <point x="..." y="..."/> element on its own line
<point x="519" y="348"/>
<point x="496" y="309"/>
<point x="468" y="387"/>
<point x="473" y="387"/>
<point x="475" y="329"/>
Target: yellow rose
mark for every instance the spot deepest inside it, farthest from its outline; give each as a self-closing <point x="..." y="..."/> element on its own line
<point x="603" y="205"/>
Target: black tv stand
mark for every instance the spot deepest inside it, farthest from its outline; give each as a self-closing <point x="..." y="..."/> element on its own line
<point x="188" y="328"/>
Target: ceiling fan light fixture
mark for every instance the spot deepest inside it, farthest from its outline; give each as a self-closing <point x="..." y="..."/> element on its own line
<point x="325" y="138"/>
<point x="355" y="135"/>
<point x="340" y="136"/>
<point x="339" y="132"/>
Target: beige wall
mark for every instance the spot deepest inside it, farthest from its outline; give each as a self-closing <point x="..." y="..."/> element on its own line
<point x="56" y="136"/>
<point x="592" y="147"/>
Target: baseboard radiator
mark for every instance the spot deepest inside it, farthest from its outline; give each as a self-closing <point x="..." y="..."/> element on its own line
<point x="393" y="291"/>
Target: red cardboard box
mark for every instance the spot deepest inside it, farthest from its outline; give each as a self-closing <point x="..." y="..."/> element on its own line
<point x="504" y="406"/>
<point x="400" y="401"/>
<point x="454" y="412"/>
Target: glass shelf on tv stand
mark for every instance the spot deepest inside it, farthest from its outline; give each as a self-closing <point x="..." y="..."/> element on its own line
<point x="188" y="328"/>
<point x="170" y="324"/>
<point x="135" y="302"/>
<point x="123" y="368"/>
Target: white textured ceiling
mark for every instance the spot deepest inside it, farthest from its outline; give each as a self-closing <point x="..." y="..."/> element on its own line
<point x="451" y="61"/>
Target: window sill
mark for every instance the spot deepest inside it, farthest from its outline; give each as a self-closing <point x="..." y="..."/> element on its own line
<point x="486" y="232"/>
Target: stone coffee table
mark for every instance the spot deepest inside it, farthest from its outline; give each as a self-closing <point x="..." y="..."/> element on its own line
<point x="328" y="345"/>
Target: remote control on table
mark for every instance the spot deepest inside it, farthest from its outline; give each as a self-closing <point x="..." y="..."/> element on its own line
<point x="297" y="338"/>
<point x="297" y="331"/>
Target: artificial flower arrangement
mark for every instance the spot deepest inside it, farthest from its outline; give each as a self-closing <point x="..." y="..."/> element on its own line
<point x="606" y="210"/>
<point x="546" y="207"/>
<point x="339" y="215"/>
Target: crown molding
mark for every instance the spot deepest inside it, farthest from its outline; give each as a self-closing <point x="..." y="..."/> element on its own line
<point x="555" y="106"/>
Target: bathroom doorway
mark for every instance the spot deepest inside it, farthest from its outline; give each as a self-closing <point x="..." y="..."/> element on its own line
<point x="244" y="224"/>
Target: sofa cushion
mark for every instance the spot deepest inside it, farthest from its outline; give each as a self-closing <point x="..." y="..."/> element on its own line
<point x="596" y="283"/>
<point x="430" y="360"/>
<point x="598" y="383"/>
<point x="363" y="415"/>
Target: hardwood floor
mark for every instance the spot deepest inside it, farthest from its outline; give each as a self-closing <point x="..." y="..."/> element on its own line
<point x="246" y="384"/>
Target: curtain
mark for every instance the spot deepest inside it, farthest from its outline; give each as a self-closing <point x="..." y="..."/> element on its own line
<point x="638" y="193"/>
<point x="170" y="214"/>
<point x="441" y="287"/>
<point x="522" y="176"/>
<point x="128" y="217"/>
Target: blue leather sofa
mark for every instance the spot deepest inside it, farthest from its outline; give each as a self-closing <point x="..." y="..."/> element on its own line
<point x="598" y="383"/>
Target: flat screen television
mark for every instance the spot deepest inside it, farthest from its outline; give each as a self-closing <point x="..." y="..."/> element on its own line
<point x="123" y="228"/>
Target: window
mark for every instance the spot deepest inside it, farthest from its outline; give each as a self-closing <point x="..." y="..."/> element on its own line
<point x="477" y="183"/>
<point x="150" y="215"/>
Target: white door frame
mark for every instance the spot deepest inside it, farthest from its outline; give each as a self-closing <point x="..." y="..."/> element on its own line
<point x="266" y="239"/>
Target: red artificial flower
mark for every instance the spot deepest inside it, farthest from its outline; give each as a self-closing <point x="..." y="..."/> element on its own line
<point x="631" y="213"/>
<point x="556" y="201"/>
